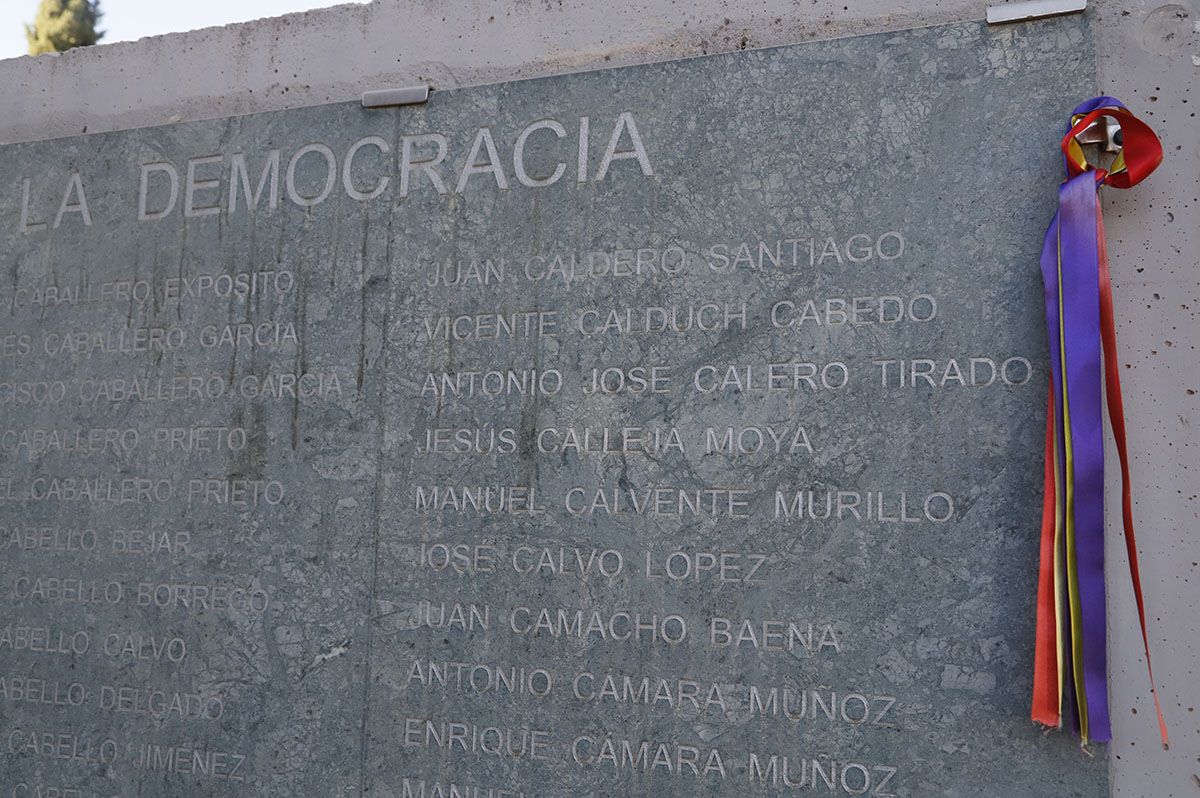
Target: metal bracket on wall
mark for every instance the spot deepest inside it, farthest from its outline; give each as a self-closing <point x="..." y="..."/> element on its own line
<point x="383" y="98"/>
<point x="1033" y="9"/>
<point x="1105" y="131"/>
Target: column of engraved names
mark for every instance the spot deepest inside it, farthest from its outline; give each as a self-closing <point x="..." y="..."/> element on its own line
<point x="129" y="624"/>
<point x="605" y="555"/>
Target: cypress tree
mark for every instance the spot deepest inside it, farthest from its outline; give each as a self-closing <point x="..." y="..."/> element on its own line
<point x="63" y="24"/>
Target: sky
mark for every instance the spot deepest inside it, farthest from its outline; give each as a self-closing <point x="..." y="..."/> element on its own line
<point x="132" y="19"/>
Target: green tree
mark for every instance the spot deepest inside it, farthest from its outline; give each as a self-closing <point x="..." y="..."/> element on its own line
<point x="63" y="24"/>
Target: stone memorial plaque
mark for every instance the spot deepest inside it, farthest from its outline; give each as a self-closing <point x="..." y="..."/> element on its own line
<point x="667" y="430"/>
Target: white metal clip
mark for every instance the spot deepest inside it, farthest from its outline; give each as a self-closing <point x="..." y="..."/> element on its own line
<point x="1104" y="131"/>
<point x="1033" y="9"/>
<point x="382" y="98"/>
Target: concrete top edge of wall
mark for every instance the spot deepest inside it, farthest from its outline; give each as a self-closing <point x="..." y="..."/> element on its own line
<point x="334" y="54"/>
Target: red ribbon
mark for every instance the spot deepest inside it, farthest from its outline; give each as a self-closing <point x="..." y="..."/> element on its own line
<point x="1066" y="661"/>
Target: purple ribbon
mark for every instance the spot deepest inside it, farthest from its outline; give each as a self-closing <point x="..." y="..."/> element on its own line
<point x="1071" y="254"/>
<point x="1081" y="343"/>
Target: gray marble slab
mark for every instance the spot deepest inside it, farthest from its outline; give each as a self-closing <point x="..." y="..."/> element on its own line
<point x="307" y="489"/>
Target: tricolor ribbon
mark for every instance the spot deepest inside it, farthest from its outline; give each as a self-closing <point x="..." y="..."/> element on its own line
<point x="1070" y="668"/>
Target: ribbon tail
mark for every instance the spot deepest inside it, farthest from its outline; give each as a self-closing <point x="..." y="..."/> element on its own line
<point x="1047" y="706"/>
<point x="1063" y="573"/>
<point x="1083" y="415"/>
<point x="1073" y="620"/>
<point x="1116" y="418"/>
<point x="1062" y="620"/>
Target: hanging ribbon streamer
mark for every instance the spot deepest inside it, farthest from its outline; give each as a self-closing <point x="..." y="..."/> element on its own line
<point x="1070" y="669"/>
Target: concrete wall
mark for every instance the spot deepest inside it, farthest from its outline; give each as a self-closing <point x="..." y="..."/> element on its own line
<point x="1148" y="55"/>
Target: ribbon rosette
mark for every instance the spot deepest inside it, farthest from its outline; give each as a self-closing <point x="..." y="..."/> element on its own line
<point x="1070" y="669"/>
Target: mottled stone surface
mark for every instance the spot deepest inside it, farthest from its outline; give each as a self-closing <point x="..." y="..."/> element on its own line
<point x="916" y="165"/>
